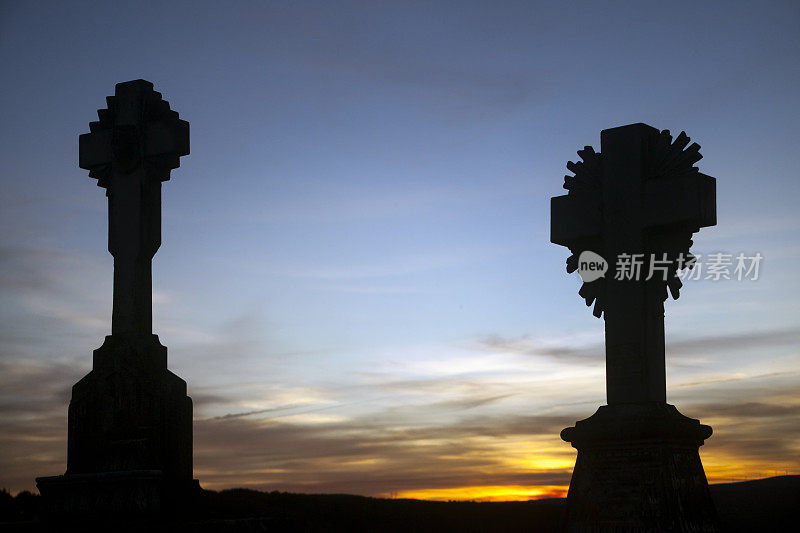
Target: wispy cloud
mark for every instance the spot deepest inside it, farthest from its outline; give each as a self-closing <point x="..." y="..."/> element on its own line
<point x="576" y="352"/>
<point x="364" y="455"/>
<point x="582" y="353"/>
<point x="52" y="290"/>
<point x="735" y="341"/>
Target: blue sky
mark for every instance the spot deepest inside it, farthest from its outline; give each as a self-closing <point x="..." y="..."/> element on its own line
<point x="357" y="252"/>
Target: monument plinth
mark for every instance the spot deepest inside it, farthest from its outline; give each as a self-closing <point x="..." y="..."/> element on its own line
<point x="639" y="199"/>
<point x="130" y="421"/>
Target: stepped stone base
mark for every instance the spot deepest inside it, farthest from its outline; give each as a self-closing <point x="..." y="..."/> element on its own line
<point x="129" y="451"/>
<point x="638" y="471"/>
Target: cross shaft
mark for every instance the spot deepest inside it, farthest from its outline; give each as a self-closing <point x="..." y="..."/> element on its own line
<point x="131" y="150"/>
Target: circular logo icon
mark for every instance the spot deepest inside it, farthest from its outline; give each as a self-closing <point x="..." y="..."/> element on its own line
<point x="591" y="266"/>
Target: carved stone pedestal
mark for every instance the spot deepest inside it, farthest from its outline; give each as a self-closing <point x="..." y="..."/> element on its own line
<point x="638" y="470"/>
<point x="130" y="437"/>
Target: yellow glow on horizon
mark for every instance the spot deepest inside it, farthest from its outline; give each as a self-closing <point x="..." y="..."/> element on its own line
<point x="523" y="454"/>
<point x="547" y="463"/>
<point x="724" y="468"/>
<point x="486" y="493"/>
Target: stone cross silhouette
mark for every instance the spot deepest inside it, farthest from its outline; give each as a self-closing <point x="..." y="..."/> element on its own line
<point x="639" y="195"/>
<point x="130" y="151"/>
<point x="129" y="446"/>
<point x="639" y="199"/>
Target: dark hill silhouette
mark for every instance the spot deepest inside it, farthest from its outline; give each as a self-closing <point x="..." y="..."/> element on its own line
<point x="769" y="504"/>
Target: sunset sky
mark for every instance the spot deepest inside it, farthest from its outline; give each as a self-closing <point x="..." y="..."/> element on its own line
<point x="356" y="278"/>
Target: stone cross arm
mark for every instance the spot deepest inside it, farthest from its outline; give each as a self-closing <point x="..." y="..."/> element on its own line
<point x="575" y="217"/>
<point x="161" y="138"/>
<point x="688" y="201"/>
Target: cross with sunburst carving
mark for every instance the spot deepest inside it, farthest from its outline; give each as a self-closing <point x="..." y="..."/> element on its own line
<point x="640" y="196"/>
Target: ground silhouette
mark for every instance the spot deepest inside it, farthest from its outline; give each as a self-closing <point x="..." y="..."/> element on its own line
<point x="769" y="504"/>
